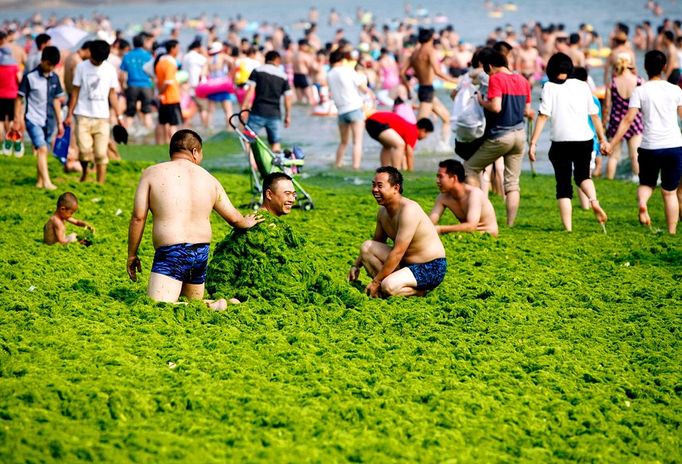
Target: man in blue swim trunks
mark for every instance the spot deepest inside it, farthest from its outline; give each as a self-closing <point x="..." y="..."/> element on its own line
<point x="181" y="195"/>
<point x="416" y="261"/>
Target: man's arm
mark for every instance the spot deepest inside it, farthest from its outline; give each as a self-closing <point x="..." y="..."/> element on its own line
<point x="437" y="210"/>
<point x="136" y="228"/>
<point x="248" y="98"/>
<point x="18" y="116"/>
<point x="287" y="109"/>
<point x="379" y="236"/>
<point x="435" y="65"/>
<point x="409" y="156"/>
<point x="113" y="101"/>
<point x="57" y="105"/>
<point x="494" y="105"/>
<point x="72" y="104"/>
<point x="407" y="227"/>
<point x="474" y="209"/>
<point x="403" y="76"/>
<point x="223" y="206"/>
<point x="60" y="233"/>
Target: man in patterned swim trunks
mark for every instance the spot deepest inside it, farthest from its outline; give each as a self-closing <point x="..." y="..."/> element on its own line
<point x="416" y="261"/>
<point x="181" y="195"/>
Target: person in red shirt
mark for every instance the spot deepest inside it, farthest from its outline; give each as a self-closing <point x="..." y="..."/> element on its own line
<point x="9" y="88"/>
<point x="397" y="137"/>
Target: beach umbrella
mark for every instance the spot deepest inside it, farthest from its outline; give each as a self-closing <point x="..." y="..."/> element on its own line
<point x="66" y="37"/>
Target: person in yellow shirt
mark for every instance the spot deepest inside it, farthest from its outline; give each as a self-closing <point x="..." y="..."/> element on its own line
<point x="170" y="113"/>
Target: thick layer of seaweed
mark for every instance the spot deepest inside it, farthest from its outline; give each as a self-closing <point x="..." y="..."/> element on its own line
<point x="271" y="261"/>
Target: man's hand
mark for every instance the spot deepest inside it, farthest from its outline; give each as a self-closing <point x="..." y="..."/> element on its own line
<point x="60" y="130"/>
<point x="605" y="148"/>
<point x="439" y="229"/>
<point x="16" y="125"/>
<point x="87" y="226"/>
<point x="373" y="289"/>
<point x="531" y="151"/>
<point x="67" y="121"/>
<point x="287" y="121"/>
<point x="354" y="273"/>
<point x="251" y="220"/>
<point x="134" y="266"/>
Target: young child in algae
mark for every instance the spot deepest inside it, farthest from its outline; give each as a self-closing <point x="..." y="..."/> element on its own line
<point x="54" y="230"/>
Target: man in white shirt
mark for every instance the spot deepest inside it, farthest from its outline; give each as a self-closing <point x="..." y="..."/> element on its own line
<point x="661" y="149"/>
<point x="95" y="84"/>
<point x="196" y="65"/>
<point x="347" y="86"/>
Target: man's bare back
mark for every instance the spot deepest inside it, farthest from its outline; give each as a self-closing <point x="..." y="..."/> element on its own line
<point x="181" y="197"/>
<point x="423" y="60"/>
<point x="425" y="245"/>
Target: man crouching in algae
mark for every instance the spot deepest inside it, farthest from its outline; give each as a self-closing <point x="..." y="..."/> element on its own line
<point x="416" y="261"/>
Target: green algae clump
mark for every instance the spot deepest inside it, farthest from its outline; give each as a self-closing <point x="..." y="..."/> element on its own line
<point x="268" y="261"/>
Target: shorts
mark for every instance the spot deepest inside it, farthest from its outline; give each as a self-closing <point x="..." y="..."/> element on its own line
<point x="273" y="126"/>
<point x="40" y="136"/>
<point x="185" y="262"/>
<point x="144" y="95"/>
<point x="666" y="161"/>
<point x="429" y="275"/>
<point x="351" y="117"/>
<point x="301" y="81"/>
<point x="375" y="128"/>
<point x="170" y="114"/>
<point x="570" y="158"/>
<point x="222" y="96"/>
<point x="425" y="93"/>
<point x="92" y="137"/>
<point x="7" y="109"/>
<point x="510" y="145"/>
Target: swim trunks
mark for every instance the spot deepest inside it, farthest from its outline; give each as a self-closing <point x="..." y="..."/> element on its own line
<point x="186" y="262"/>
<point x="301" y="81"/>
<point x="375" y="128"/>
<point x="425" y="93"/>
<point x="429" y="275"/>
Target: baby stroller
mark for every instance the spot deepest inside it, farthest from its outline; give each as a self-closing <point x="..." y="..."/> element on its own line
<point x="289" y="162"/>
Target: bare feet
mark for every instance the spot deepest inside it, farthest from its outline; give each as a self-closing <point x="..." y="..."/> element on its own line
<point x="599" y="213"/>
<point x="221" y="304"/>
<point x="644" y="218"/>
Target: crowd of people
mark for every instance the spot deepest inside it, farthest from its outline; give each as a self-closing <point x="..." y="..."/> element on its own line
<point x="392" y="82"/>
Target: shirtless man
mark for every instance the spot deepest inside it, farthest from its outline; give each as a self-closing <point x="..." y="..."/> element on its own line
<point x="619" y="44"/>
<point x="304" y="64"/>
<point x="670" y="52"/>
<point x="527" y="60"/>
<point x="416" y="261"/>
<point x="469" y="204"/>
<point x="181" y="196"/>
<point x="424" y="61"/>
<point x="279" y="194"/>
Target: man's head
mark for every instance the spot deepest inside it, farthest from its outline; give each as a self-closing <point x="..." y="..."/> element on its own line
<point x="273" y="57"/>
<point x="336" y="56"/>
<point x="279" y="194"/>
<point x="387" y="183"/>
<point x="654" y="63"/>
<point x="450" y="173"/>
<point x="99" y="51"/>
<point x="67" y="205"/>
<point x="494" y="63"/>
<point x="668" y="37"/>
<point x="503" y="47"/>
<point x="424" y="128"/>
<point x="186" y="142"/>
<point x="49" y="58"/>
<point x="559" y="67"/>
<point x="84" y="51"/>
<point x="425" y="35"/>
<point x="173" y="47"/>
<point x="42" y="41"/>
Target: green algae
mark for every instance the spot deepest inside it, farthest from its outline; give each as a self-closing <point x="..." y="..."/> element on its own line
<point x="539" y="346"/>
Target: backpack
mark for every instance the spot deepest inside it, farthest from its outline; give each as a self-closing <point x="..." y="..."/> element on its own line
<point x="468" y="118"/>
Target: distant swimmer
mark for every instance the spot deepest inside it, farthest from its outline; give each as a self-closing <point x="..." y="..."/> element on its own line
<point x="416" y="262"/>
<point x="426" y="65"/>
<point x="469" y="204"/>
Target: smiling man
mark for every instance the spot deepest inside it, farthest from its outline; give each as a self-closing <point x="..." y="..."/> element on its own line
<point x="416" y="261"/>
<point x="279" y="194"/>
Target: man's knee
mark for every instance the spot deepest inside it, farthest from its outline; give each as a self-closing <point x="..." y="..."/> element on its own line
<point x="390" y="286"/>
<point x="366" y="249"/>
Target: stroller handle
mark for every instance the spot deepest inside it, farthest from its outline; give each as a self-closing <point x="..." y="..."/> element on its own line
<point x="239" y="117"/>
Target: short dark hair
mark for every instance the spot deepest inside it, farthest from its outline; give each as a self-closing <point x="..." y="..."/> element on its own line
<point x="559" y="63"/>
<point x="580" y="73"/>
<point x="669" y="35"/>
<point x="481" y="56"/>
<point x="138" y="40"/>
<point x="424" y="35"/>
<point x="272" y="179"/>
<point x="502" y="47"/>
<point x="171" y="44"/>
<point x="123" y="44"/>
<point x="42" y="39"/>
<point x="99" y="50"/>
<point x="336" y="56"/>
<point x="51" y="55"/>
<point x="86" y="45"/>
<point x="574" y="38"/>
<point x="495" y="59"/>
<point x="654" y="63"/>
<point x="426" y="124"/>
<point x="271" y="56"/>
<point x="394" y="176"/>
<point x="3" y="35"/>
<point x="453" y="168"/>
<point x="194" y="45"/>
<point x="67" y="200"/>
<point x="184" y="140"/>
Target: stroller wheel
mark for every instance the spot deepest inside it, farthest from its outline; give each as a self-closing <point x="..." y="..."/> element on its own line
<point x="255" y="205"/>
<point x="307" y="205"/>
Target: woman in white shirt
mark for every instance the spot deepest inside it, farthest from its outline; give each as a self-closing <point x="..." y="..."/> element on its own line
<point x="568" y="103"/>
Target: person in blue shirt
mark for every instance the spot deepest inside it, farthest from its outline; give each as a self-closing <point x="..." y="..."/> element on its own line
<point x="139" y="85"/>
